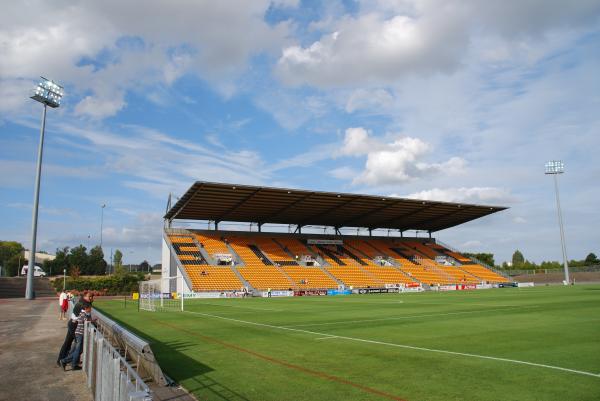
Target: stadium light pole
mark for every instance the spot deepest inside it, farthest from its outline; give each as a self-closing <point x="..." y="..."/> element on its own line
<point x="554" y="168"/>
<point x="101" y="222"/>
<point x="49" y="94"/>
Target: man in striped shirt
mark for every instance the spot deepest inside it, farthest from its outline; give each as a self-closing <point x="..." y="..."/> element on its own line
<point x="73" y="357"/>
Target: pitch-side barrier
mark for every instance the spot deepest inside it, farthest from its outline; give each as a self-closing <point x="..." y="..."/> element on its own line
<point x="108" y="374"/>
<point x="132" y="347"/>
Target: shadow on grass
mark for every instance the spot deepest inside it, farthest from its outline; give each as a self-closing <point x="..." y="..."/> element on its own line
<point x="174" y="362"/>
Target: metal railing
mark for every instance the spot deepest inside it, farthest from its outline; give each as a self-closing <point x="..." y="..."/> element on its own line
<point x="108" y="374"/>
<point x="579" y="269"/>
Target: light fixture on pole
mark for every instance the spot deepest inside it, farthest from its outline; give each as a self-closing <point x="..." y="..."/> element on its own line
<point x="101" y="222"/>
<point x="49" y="94"/>
<point x="554" y="168"/>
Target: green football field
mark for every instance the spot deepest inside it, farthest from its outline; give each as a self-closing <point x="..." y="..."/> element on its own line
<point x="538" y="343"/>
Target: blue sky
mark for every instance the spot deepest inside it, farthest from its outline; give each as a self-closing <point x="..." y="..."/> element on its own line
<point x="457" y="101"/>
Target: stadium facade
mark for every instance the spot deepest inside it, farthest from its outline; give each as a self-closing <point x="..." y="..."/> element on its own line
<point x="216" y="262"/>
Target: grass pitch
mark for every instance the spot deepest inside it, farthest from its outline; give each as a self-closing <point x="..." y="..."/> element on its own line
<point x="506" y="344"/>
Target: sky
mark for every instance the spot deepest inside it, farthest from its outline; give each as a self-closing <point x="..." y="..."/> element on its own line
<point x="459" y="101"/>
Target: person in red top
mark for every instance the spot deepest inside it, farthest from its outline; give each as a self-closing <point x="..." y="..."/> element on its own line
<point x="63" y="304"/>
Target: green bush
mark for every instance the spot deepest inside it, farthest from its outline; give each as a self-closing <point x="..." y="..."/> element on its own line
<point x="105" y="285"/>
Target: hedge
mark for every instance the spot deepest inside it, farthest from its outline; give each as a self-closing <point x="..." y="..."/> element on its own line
<point x="104" y="285"/>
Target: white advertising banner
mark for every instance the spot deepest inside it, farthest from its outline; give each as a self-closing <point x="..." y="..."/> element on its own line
<point x="265" y="294"/>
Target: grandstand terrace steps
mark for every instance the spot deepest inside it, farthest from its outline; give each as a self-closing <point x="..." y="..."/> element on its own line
<point x="272" y="250"/>
<point x="305" y="277"/>
<point x="208" y="258"/>
<point x="484" y="274"/>
<point x="257" y="272"/>
<point x="423" y="270"/>
<point x="213" y="278"/>
<point x="213" y="244"/>
<point x="385" y="274"/>
<point x="348" y="270"/>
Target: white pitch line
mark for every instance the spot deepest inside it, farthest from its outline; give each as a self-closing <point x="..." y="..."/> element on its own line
<point x="409" y="317"/>
<point x="237" y="306"/>
<point x="412" y="347"/>
<point x="326" y="338"/>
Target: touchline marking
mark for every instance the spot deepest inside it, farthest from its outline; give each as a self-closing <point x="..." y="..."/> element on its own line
<point x="326" y="338"/>
<point x="409" y="317"/>
<point x="440" y="351"/>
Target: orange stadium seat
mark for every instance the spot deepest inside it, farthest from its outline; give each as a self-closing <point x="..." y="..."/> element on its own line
<point x="278" y="263"/>
<point x="258" y="272"/>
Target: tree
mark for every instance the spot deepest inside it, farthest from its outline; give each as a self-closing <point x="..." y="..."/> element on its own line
<point x="118" y="258"/>
<point x="118" y="263"/>
<point x="517" y="259"/>
<point x="10" y="253"/>
<point x="145" y="266"/>
<point x="487" y="258"/>
<point x="97" y="264"/>
<point x="79" y="257"/>
<point x="60" y="262"/>
<point x="591" y="259"/>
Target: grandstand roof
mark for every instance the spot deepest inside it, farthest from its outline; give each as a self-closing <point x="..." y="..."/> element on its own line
<point x="246" y="203"/>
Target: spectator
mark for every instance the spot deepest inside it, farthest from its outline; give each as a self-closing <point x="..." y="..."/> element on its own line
<point x="86" y="299"/>
<point x="73" y="357"/>
<point x="63" y="305"/>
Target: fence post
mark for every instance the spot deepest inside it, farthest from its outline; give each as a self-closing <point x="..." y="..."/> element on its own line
<point x="98" y="381"/>
<point x="182" y="293"/>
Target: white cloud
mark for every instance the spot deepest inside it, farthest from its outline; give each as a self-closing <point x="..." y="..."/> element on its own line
<point x="357" y="142"/>
<point x="101" y="50"/>
<point x="375" y="101"/>
<point x="462" y="194"/>
<point x="395" y="162"/>
<point x="471" y="244"/>
<point x="97" y="107"/>
<point x="344" y="173"/>
<point x="157" y="163"/>
<point x="386" y="40"/>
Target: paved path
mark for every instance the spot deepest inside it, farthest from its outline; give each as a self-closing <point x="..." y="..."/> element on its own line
<point x="30" y="338"/>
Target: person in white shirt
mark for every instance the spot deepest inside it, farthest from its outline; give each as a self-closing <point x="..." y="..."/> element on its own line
<point x="63" y="304"/>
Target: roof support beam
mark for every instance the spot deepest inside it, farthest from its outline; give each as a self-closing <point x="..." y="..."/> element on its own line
<point x="412" y="213"/>
<point x="288" y="207"/>
<point x="238" y="205"/>
<point x="369" y="213"/>
<point x="186" y="202"/>
<point x="326" y="212"/>
<point x="460" y="209"/>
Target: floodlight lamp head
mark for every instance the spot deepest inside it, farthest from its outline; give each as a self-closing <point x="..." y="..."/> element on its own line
<point x="555" y="167"/>
<point x="48" y="92"/>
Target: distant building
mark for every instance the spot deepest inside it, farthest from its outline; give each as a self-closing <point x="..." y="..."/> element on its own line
<point x="40" y="257"/>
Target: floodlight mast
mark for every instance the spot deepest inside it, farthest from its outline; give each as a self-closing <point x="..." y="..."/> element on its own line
<point x="49" y="94"/>
<point x="554" y="168"/>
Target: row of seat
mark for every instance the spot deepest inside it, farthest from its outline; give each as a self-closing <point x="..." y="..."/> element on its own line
<point x="269" y="263"/>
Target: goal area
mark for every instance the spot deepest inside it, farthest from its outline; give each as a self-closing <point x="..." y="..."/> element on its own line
<point x="164" y="294"/>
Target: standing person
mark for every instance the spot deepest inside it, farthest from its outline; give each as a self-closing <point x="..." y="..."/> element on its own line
<point x="86" y="299"/>
<point x="63" y="304"/>
<point x="73" y="357"/>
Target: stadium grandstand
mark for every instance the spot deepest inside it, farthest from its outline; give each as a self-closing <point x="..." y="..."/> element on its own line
<point x="254" y="261"/>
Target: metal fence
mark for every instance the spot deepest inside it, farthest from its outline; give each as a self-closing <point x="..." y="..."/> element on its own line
<point x="579" y="269"/>
<point x="109" y="376"/>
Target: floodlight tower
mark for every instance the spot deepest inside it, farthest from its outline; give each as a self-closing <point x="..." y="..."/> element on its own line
<point x="101" y="222"/>
<point x="49" y="94"/>
<point x="554" y="168"/>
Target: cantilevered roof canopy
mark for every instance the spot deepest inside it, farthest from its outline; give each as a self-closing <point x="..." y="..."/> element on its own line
<point x="246" y="203"/>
